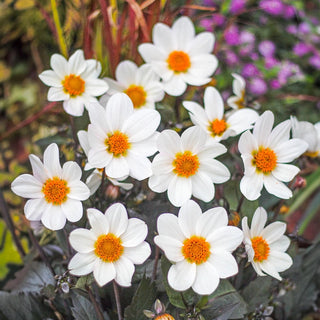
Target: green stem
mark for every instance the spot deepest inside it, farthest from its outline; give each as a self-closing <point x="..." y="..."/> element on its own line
<point x="61" y="40"/>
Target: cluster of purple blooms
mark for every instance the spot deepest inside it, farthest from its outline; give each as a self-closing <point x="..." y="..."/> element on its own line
<point x="257" y="59"/>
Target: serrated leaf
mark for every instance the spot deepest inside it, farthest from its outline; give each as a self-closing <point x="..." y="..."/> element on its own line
<point x="175" y="297"/>
<point x="84" y="281"/>
<point x="143" y="299"/>
<point x="31" y="278"/>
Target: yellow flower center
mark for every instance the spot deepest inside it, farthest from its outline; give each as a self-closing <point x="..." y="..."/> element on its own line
<point x="164" y="316"/>
<point x="137" y="95"/>
<point x="240" y="101"/>
<point x="73" y="85"/>
<point x="179" y="61"/>
<point x="218" y="127"/>
<point x="265" y="160"/>
<point x="311" y="154"/>
<point x="117" y="143"/>
<point x="261" y="249"/>
<point x="108" y="247"/>
<point x="55" y="190"/>
<point x="185" y="164"/>
<point x="196" y="249"/>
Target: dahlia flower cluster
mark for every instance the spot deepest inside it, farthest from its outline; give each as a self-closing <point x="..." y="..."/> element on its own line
<point x="126" y="141"/>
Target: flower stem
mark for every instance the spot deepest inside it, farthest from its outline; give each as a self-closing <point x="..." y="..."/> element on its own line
<point x="117" y="296"/>
<point x="61" y="40"/>
<point x="95" y="304"/>
<point x="155" y="265"/>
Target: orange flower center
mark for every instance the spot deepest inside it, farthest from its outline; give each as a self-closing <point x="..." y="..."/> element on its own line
<point x="311" y="154"/>
<point x="261" y="249"/>
<point x="178" y="61"/>
<point x="137" y="95"/>
<point x="108" y="247"/>
<point x="265" y="160"/>
<point x="73" y="85"/>
<point x="117" y="143"/>
<point x="196" y="249"/>
<point x="55" y="190"/>
<point x="218" y="127"/>
<point x="185" y="164"/>
<point x="164" y="316"/>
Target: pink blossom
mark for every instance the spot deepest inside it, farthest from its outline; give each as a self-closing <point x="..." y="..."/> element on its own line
<point x="237" y="5"/>
<point x="267" y="48"/>
<point x="258" y="86"/>
<point x="273" y="7"/>
<point x="232" y="35"/>
<point x="300" y="49"/>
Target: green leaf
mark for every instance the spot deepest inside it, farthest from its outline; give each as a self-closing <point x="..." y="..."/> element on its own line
<point x="84" y="281"/>
<point x="175" y="297"/>
<point x="143" y="299"/>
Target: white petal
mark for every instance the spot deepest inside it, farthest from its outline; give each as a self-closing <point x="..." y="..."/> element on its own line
<point x="212" y="150"/>
<point x="142" y="124"/>
<point x="59" y="65"/>
<point x="202" y="43"/>
<point x="213" y="104"/>
<point x="247" y="143"/>
<point x="202" y="67"/>
<point x="193" y="139"/>
<point x="269" y="268"/>
<point x="74" y="106"/>
<point x="84" y="142"/>
<point x="251" y="186"/>
<point x="197" y="114"/>
<point x="181" y="275"/>
<point x="72" y="209"/>
<point x="282" y="244"/>
<point x="159" y="183"/>
<point x="162" y="164"/>
<point x="162" y="37"/>
<point x="224" y="263"/>
<point x="175" y="86"/>
<point x="274" y="231"/>
<point x="238" y="84"/>
<point x="207" y="279"/>
<point x="96" y="87"/>
<point x="263" y="127"/>
<point x="167" y="225"/>
<point x="53" y="218"/>
<point x="258" y="222"/>
<point x="117" y="167"/>
<point x="183" y="32"/>
<point x="279" y="134"/>
<point x="171" y="247"/>
<point x="126" y="73"/>
<point x="98" y="222"/>
<point x="82" y="264"/>
<point x="51" y="160"/>
<point x="150" y="53"/>
<point x="82" y="240"/>
<point x="290" y="150"/>
<point x="188" y="216"/>
<point x="124" y="271"/>
<point x="169" y="143"/>
<point x="50" y="78"/>
<point x="92" y="70"/>
<point x="135" y="234"/>
<point x="140" y="167"/>
<point x="179" y="190"/>
<point x="76" y="63"/>
<point x="34" y="209"/>
<point x="225" y="238"/>
<point x="71" y="171"/>
<point x="285" y="172"/>
<point x="217" y="171"/>
<point x="245" y="228"/>
<point x="276" y="187"/>
<point x="103" y="272"/>
<point x="210" y="220"/>
<point x="78" y="190"/>
<point x="27" y="186"/>
<point x="93" y="182"/>
<point x="99" y="158"/>
<point x="202" y="187"/>
<point x="118" y="218"/>
<point x="281" y="261"/>
<point x="98" y="118"/>
<point x="147" y="147"/>
<point x="241" y="120"/>
<point x="38" y="169"/>
<point x="249" y="168"/>
<point x="57" y="94"/>
<point x="138" y="254"/>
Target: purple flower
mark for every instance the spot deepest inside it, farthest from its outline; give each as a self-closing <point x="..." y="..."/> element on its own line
<point x="218" y="19"/>
<point x="231" y="58"/>
<point x="247" y="37"/>
<point x="257" y="86"/>
<point x="315" y="61"/>
<point x="292" y="29"/>
<point x="300" y="49"/>
<point x="273" y="7"/>
<point x="250" y="70"/>
<point x="270" y="62"/>
<point x="275" y="84"/>
<point x="304" y="28"/>
<point x="237" y="5"/>
<point x="232" y="35"/>
<point x="246" y="50"/>
<point x="289" y="12"/>
<point x="267" y="48"/>
<point x="254" y="56"/>
<point x="207" y="24"/>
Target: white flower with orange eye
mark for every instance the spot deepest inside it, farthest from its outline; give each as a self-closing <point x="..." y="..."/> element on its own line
<point x="308" y="132"/>
<point x="141" y="84"/>
<point x="265" y="154"/>
<point x="180" y="57"/>
<point x="111" y="247"/>
<point x="200" y="245"/>
<point x="266" y="246"/>
<point x="212" y="119"/>
<point x="94" y="179"/>
<point x="185" y="166"/>
<point x="121" y="139"/>
<point x="239" y="89"/>
<point x="55" y="193"/>
<point x="75" y="82"/>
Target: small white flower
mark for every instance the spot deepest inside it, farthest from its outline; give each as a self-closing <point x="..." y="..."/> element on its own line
<point x="141" y="84"/>
<point x="111" y="247"/>
<point x="265" y="154"/>
<point x="55" y="193"/>
<point x="121" y="139"/>
<point x="239" y="89"/>
<point x="266" y="246"/>
<point x="212" y="119"/>
<point x="94" y="179"/>
<point x="200" y="245"/>
<point x="180" y="57"/>
<point x="75" y="82"/>
<point x="185" y="166"/>
<point x="308" y="132"/>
